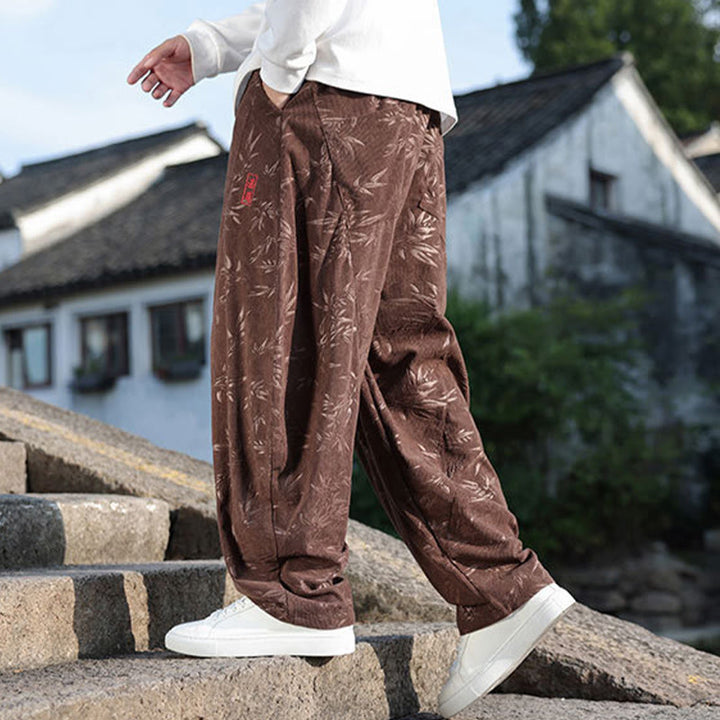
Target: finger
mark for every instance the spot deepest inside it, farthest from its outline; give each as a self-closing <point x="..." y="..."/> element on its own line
<point x="151" y="59"/>
<point x="136" y="73"/>
<point x="172" y="98"/>
<point x="150" y="82"/>
<point x="160" y="90"/>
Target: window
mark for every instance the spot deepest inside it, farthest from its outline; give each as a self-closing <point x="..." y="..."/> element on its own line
<point x="104" y="343"/>
<point x="28" y="356"/>
<point x="602" y="190"/>
<point x="178" y="339"/>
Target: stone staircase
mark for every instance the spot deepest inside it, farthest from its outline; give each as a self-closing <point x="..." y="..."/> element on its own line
<point x="106" y="541"/>
<point x="44" y="529"/>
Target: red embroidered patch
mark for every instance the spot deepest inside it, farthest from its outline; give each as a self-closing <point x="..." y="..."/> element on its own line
<point x="249" y="189"/>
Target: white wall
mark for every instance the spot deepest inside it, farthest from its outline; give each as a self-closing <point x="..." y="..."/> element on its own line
<point x="174" y="415"/>
<point x="10" y="247"/>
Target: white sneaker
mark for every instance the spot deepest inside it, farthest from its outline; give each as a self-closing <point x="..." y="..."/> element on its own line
<point x="485" y="657"/>
<point x="243" y="629"/>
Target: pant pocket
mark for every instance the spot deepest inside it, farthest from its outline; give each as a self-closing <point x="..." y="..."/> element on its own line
<point x="256" y="86"/>
<point x="433" y="203"/>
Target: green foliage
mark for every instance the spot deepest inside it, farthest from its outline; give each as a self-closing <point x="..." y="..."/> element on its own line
<point x="563" y="376"/>
<point x="549" y="372"/>
<point x="618" y="495"/>
<point x="675" y="42"/>
<point x="364" y="505"/>
<point x="548" y="379"/>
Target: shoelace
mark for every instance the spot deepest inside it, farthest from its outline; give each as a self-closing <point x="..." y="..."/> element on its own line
<point x="240" y="604"/>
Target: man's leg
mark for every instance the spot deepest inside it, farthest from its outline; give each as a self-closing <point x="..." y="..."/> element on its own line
<point x="416" y="436"/>
<point x="312" y="197"/>
<point x="277" y="460"/>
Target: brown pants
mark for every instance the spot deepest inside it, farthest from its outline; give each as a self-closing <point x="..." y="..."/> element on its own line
<point x="329" y="333"/>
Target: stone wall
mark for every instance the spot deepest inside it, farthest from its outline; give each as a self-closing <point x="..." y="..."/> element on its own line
<point x="655" y="589"/>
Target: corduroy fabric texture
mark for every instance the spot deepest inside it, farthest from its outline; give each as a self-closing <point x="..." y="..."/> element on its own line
<point x="328" y="334"/>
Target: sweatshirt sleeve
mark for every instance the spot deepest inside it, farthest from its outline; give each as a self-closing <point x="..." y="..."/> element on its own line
<point x="220" y="46"/>
<point x="288" y="44"/>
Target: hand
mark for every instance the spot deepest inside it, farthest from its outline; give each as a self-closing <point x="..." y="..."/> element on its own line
<point x="276" y="97"/>
<point x="169" y="68"/>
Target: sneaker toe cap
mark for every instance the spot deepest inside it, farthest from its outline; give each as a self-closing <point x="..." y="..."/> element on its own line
<point x="188" y="631"/>
<point x="451" y="687"/>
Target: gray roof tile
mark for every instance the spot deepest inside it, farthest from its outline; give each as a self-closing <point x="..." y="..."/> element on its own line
<point x="172" y="227"/>
<point x="40" y="182"/>
<point x="498" y="123"/>
<point x="710" y="165"/>
<point x="697" y="247"/>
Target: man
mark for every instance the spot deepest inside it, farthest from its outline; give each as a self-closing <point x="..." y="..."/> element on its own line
<point x="329" y="333"/>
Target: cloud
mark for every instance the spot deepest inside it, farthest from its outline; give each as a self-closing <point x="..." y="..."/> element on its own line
<point x="25" y="8"/>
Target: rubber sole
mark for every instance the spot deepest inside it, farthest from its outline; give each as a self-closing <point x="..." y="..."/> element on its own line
<point x="340" y="641"/>
<point x="519" y="644"/>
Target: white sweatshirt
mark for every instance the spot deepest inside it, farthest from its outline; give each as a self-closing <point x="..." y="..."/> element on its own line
<point x="383" y="47"/>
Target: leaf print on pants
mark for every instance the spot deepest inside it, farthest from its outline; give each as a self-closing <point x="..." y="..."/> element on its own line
<point x="328" y="335"/>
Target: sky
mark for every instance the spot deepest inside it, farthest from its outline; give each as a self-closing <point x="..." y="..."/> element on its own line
<point x="64" y="67"/>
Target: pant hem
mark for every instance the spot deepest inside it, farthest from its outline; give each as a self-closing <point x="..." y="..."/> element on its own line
<point x="477" y="617"/>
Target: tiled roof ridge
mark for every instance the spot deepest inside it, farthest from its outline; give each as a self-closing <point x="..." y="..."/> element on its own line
<point x="645" y="230"/>
<point x="620" y="59"/>
<point x="184" y="165"/>
<point x="109" y="147"/>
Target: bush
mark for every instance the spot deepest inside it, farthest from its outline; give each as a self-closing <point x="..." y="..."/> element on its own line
<point x="554" y="394"/>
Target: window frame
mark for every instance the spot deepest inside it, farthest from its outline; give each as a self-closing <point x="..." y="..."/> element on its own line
<point x="156" y="360"/>
<point x="124" y="364"/>
<point x="48" y="326"/>
<point x="609" y="181"/>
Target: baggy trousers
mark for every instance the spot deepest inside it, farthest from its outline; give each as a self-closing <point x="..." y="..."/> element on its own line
<point x="328" y="334"/>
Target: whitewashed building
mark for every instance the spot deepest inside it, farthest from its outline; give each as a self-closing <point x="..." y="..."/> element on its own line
<point x="590" y="135"/>
<point x="575" y="179"/>
<point x="104" y="296"/>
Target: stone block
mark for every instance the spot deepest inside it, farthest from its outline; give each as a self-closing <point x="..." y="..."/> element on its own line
<point x="68" y="452"/>
<point x="13" y="474"/>
<point x="71" y="529"/>
<point x="712" y="540"/>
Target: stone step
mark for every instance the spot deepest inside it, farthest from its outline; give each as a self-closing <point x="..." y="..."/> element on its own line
<point x="595" y="656"/>
<point x="396" y="669"/>
<point x="40" y="530"/>
<point x="13" y="472"/>
<point x="529" y="707"/>
<point x="91" y="611"/>
<point x="71" y="452"/>
<point x="55" y="616"/>
<point x="59" y="614"/>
